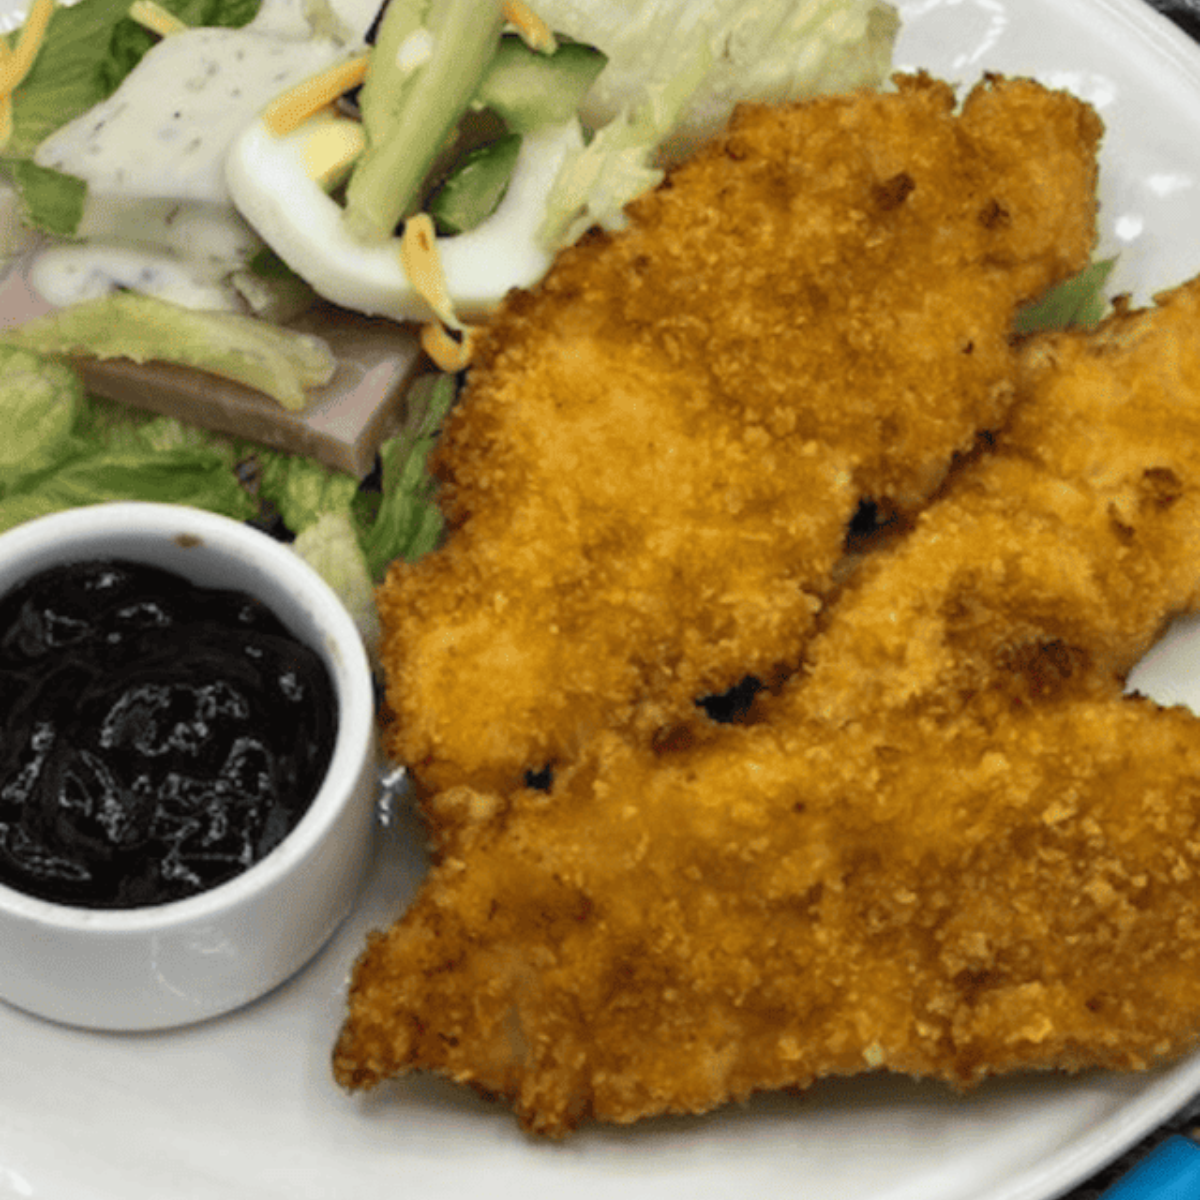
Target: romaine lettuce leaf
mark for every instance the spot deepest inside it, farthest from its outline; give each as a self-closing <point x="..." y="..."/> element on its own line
<point x="50" y="200"/>
<point x="303" y="490"/>
<point x="65" y="79"/>
<point x="330" y="546"/>
<point x="89" y="48"/>
<point x="403" y="519"/>
<point x="197" y="477"/>
<point x="1077" y="302"/>
<point x="62" y="450"/>
<point x="277" y="361"/>
<point x="39" y="405"/>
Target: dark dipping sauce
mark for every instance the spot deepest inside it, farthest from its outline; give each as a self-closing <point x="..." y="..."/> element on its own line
<point x="157" y="737"/>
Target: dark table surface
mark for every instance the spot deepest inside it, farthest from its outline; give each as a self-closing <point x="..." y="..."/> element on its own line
<point x="1185" y="14"/>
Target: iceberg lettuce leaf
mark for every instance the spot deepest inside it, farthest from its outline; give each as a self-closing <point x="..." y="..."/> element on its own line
<point x="594" y="184"/>
<point x="677" y="68"/>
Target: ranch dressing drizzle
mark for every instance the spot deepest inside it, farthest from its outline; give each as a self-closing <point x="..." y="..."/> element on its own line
<point x="158" y="216"/>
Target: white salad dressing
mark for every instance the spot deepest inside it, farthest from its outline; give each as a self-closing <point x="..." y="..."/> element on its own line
<point x="182" y="251"/>
<point x="158" y="215"/>
<point x="164" y="132"/>
<point x="64" y="275"/>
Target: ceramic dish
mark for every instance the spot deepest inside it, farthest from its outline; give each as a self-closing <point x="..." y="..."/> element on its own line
<point x="244" y="1106"/>
<point x="167" y="965"/>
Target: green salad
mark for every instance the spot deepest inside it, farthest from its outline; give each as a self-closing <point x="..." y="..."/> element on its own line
<point x="64" y="448"/>
<point x="657" y="82"/>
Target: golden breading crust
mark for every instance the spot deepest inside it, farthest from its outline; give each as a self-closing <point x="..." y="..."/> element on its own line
<point x="1066" y="547"/>
<point x="651" y="472"/>
<point x="950" y="848"/>
<point x="950" y="899"/>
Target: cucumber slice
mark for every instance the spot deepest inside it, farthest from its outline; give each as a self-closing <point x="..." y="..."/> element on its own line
<point x="528" y="89"/>
<point x="426" y="65"/>
<point x="471" y="194"/>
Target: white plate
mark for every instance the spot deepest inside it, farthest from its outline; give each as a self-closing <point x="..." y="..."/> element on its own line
<point x="244" y="1107"/>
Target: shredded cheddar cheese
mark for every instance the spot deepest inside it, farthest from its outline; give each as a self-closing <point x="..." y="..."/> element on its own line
<point x="423" y="265"/>
<point x="330" y="147"/>
<point x="155" y="18"/>
<point x="289" y="111"/>
<point x="6" y="103"/>
<point x="447" y="340"/>
<point x="535" y="33"/>
<point x="449" y="354"/>
<point x="16" y="62"/>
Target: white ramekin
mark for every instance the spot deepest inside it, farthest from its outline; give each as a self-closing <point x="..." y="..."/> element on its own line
<point x="185" y="961"/>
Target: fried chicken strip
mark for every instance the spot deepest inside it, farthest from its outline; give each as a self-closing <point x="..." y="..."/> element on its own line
<point x="1063" y="550"/>
<point x="945" y="899"/>
<point x="961" y="872"/>
<point x="651" y="472"/>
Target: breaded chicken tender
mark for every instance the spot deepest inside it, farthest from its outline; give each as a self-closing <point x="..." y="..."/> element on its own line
<point x="950" y="899"/>
<point x="1065" y="547"/>
<point x="950" y="847"/>
<point x="651" y="473"/>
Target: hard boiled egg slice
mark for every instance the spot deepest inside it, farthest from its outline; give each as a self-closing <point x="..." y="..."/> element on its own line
<point x="275" y="183"/>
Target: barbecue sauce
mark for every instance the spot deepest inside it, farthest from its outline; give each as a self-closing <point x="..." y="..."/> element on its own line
<point x="156" y="738"/>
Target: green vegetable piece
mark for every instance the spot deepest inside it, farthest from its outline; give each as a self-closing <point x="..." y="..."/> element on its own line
<point x="66" y="77"/>
<point x="50" y="201"/>
<point x="198" y="478"/>
<point x="266" y="264"/>
<point x="1076" y="302"/>
<point x="677" y="70"/>
<point x="303" y="490"/>
<point x="39" y="401"/>
<point x="404" y="521"/>
<point x="529" y="89"/>
<point x="275" y="360"/>
<point x="471" y="193"/>
<point x="380" y="100"/>
<point x="427" y="65"/>
<point x="330" y="546"/>
<point x="66" y="449"/>
<point x="594" y="184"/>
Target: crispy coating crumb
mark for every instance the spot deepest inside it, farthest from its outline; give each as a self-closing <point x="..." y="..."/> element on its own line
<point x="950" y="848"/>
<point x="949" y="899"/>
<point x="652" y="471"/>
<point x="1060" y="552"/>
